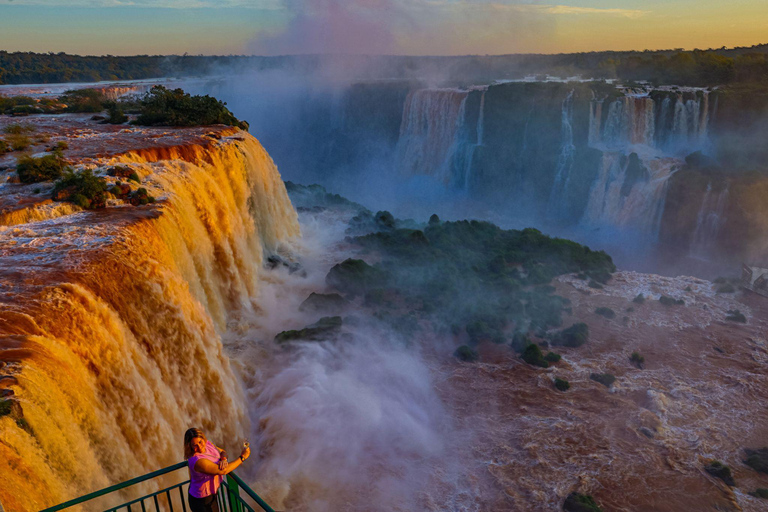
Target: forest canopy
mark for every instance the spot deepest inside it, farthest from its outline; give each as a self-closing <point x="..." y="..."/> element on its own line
<point x="696" y="67"/>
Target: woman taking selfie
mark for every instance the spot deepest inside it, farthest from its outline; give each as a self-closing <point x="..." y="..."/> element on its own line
<point x="207" y="466"/>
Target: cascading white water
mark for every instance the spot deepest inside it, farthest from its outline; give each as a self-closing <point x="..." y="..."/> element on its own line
<point x="471" y="149"/>
<point x="639" y="208"/>
<point x="631" y="120"/>
<point x="595" y="121"/>
<point x="558" y="202"/>
<point x="430" y="131"/>
<point x="709" y="221"/>
<point x="434" y="137"/>
<point x="689" y="124"/>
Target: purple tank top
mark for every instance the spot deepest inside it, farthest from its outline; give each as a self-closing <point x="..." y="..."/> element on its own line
<point x="200" y="484"/>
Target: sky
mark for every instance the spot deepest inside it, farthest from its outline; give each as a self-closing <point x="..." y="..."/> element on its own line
<point x="395" y="27"/>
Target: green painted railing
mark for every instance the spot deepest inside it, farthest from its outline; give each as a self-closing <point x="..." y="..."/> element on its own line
<point x="174" y="498"/>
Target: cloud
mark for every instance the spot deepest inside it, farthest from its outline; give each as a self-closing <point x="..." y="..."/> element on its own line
<point x="567" y="9"/>
<point x="435" y="27"/>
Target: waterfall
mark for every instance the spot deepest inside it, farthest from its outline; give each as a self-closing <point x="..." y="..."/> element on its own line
<point x="689" y="128"/>
<point x="595" y="120"/>
<point x="471" y="147"/>
<point x="709" y="221"/>
<point x="434" y="137"/>
<point x="635" y="203"/>
<point x="113" y="337"/>
<point x="558" y="199"/>
<point x="631" y="120"/>
<point x="481" y="119"/>
<point x="430" y="132"/>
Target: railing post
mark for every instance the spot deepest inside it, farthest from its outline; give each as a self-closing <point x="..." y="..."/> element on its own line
<point x="233" y="495"/>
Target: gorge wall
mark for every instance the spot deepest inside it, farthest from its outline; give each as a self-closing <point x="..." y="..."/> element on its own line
<point x="111" y="320"/>
<point x="589" y="160"/>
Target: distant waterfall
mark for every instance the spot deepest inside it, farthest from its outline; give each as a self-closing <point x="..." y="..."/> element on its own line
<point x="435" y="139"/>
<point x="558" y="201"/>
<point x="671" y="125"/>
<point x="471" y="149"/>
<point x="709" y="221"/>
<point x="684" y="123"/>
<point x="634" y="202"/>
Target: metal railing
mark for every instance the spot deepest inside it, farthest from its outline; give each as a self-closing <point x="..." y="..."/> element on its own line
<point x="174" y="498"/>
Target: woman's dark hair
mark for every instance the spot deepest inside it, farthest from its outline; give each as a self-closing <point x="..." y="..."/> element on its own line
<point x="189" y="435"/>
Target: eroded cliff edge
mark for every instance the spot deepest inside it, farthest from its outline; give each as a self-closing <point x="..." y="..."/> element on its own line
<point x="110" y="319"/>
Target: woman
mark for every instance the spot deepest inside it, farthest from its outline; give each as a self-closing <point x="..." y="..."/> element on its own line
<point x="207" y="466"/>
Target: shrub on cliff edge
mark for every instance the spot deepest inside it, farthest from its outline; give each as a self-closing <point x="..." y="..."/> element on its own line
<point x="165" y="107"/>
<point x="34" y="170"/>
<point x="83" y="188"/>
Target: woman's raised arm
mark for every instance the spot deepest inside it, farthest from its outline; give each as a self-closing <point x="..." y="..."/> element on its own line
<point x="210" y="468"/>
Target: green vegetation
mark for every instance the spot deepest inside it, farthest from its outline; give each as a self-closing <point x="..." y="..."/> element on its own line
<point x="552" y="357"/>
<point x="17" y="104"/>
<point x="324" y="329"/>
<point x="726" y="288"/>
<point x="760" y="492"/>
<point x="165" y="107"/>
<point x="574" y="336"/>
<point x="533" y="356"/>
<point x="18" y="129"/>
<point x="639" y="299"/>
<point x="140" y="197"/>
<point x="355" y="276"/>
<point x="3" y="147"/>
<point x="6" y="407"/>
<point x="669" y="301"/>
<point x="594" y="284"/>
<point x="606" y="312"/>
<point x="734" y="315"/>
<point x="576" y="502"/>
<point x="721" y="471"/>
<point x="134" y="176"/>
<point x="319" y="302"/>
<point x="466" y="353"/>
<point x="18" y="142"/>
<point x="674" y="66"/>
<point x="83" y="100"/>
<point x="34" y="170"/>
<point x="562" y="384"/>
<point x="315" y="197"/>
<point x="637" y="359"/>
<point x="82" y="188"/>
<point x="758" y="459"/>
<point x="606" y="379"/>
<point x="474" y="274"/>
<point x="115" y="111"/>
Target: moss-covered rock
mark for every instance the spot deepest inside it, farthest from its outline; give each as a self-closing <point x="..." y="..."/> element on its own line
<point x="606" y="379"/>
<point x="466" y="353"/>
<point x="324" y="329"/>
<point x="355" y="276"/>
<point x="757" y="459"/>
<point x="323" y="303"/>
<point x="533" y="356"/>
<point x="605" y="312"/>
<point x="574" y="336"/>
<point x="721" y="471"/>
<point x="576" y="502"/>
<point x="671" y="301"/>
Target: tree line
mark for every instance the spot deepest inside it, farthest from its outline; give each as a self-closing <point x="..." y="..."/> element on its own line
<point x="696" y="67"/>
